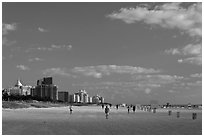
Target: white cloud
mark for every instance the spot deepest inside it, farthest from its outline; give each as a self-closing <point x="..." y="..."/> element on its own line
<point x="8" y="27"/>
<point x="56" y="71"/>
<point x="98" y="71"/>
<point x="171" y="16"/>
<point x="197" y="83"/>
<point x="168" y="15"/>
<point x="35" y="59"/>
<point x="173" y="51"/>
<point x="192" y="49"/>
<point x="143" y="82"/>
<point x="196" y="75"/>
<point x="68" y="47"/>
<point x="7" y="42"/>
<point x="191" y="52"/>
<point x="51" y="48"/>
<point x="172" y="91"/>
<point x="192" y="60"/>
<point x="44" y="48"/>
<point x="42" y="29"/>
<point x="22" y="67"/>
<point x="157" y="79"/>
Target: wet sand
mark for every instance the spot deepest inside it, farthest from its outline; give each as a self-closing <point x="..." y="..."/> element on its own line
<point x="90" y="120"/>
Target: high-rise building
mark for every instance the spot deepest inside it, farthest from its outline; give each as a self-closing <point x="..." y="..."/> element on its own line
<point x="86" y="96"/>
<point x="77" y="98"/>
<point x="83" y="96"/>
<point x="32" y="91"/>
<point x="45" y="89"/>
<point x="47" y="80"/>
<point x="102" y="100"/>
<point x="89" y="99"/>
<point x="72" y="98"/>
<point x="63" y="96"/>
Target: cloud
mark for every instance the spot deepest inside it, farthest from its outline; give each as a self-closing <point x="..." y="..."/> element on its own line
<point x="99" y="71"/>
<point x="191" y="52"/>
<point x="7" y="42"/>
<point x="57" y="71"/>
<point x="144" y="82"/>
<point x="42" y="29"/>
<point x="35" y="59"/>
<point x="44" y="48"/>
<point x="51" y="48"/>
<point x="172" y="51"/>
<point x="8" y="27"/>
<point x="22" y="67"/>
<point x="196" y="75"/>
<point x="190" y="49"/>
<point x="172" y="91"/>
<point x="155" y="81"/>
<point x="68" y="47"/>
<point x="168" y="15"/>
<point x="197" y="83"/>
<point x="124" y="84"/>
<point x="192" y="60"/>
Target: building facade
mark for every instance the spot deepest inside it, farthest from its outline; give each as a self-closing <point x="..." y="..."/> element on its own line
<point x="45" y="89"/>
<point x="63" y="96"/>
<point x="20" y="89"/>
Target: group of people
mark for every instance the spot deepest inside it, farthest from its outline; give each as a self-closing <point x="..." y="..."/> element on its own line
<point x="133" y="108"/>
<point x="107" y="109"/>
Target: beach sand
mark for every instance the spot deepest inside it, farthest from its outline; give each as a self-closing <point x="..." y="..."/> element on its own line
<point x="90" y="120"/>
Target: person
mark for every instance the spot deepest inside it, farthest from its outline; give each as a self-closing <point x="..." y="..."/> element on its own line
<point x="102" y="106"/>
<point x="70" y="109"/>
<point x="107" y="111"/>
<point x="110" y="105"/>
<point x="128" y="109"/>
<point x="133" y="109"/>
<point x="117" y="106"/>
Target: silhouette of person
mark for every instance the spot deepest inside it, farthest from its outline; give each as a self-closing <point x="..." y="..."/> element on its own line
<point x="110" y="105"/>
<point x="102" y="106"/>
<point x="107" y="111"/>
<point x="128" y="109"/>
<point x="117" y="106"/>
<point x="70" y="109"/>
<point x="134" y="109"/>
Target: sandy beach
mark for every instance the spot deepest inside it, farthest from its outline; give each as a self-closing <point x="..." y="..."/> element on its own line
<point x="90" y="120"/>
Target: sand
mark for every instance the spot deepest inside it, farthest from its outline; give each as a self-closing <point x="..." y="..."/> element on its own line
<point x="89" y="120"/>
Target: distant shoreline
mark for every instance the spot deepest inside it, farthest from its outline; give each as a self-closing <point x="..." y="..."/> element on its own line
<point x="38" y="104"/>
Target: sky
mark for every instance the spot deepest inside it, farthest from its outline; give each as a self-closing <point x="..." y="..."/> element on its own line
<point x="136" y="53"/>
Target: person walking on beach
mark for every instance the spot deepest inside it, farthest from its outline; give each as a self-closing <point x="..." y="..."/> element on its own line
<point x="70" y="109"/>
<point x="133" y="108"/>
<point x="117" y="106"/>
<point x="128" y="109"/>
<point x="107" y="111"/>
<point x="102" y="106"/>
<point x="110" y="105"/>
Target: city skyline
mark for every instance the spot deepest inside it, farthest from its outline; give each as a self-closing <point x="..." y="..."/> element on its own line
<point x="125" y="52"/>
